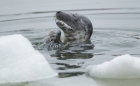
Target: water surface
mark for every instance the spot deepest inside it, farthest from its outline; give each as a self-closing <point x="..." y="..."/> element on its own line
<point x="116" y="32"/>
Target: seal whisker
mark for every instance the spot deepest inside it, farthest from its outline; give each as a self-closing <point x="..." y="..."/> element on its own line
<point x="54" y="18"/>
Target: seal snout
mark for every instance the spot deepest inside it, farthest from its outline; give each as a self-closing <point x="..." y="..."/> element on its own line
<point x="58" y="12"/>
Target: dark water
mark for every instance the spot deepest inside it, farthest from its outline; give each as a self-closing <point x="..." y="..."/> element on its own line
<point x="116" y="32"/>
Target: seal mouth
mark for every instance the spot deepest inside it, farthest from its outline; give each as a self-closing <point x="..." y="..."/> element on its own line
<point x="61" y="22"/>
<point x="63" y="25"/>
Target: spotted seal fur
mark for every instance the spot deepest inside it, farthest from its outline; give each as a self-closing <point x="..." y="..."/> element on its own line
<point x="77" y="29"/>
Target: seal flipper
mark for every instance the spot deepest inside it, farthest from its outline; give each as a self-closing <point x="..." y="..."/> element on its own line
<point x="53" y="41"/>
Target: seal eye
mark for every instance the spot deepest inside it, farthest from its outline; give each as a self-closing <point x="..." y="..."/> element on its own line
<point x="58" y="11"/>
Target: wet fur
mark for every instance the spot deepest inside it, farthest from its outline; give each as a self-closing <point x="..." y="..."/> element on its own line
<point x="76" y="28"/>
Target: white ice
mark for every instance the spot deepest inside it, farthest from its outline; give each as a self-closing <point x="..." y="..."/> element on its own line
<point x="122" y="67"/>
<point x="20" y="62"/>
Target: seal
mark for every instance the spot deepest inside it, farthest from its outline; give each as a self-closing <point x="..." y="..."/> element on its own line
<point x="77" y="29"/>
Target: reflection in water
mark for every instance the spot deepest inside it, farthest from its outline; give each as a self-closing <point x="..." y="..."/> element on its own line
<point x="117" y="82"/>
<point x="69" y="74"/>
<point x="27" y="84"/>
<point x="67" y="66"/>
<point x="65" y="56"/>
<point x="75" y="51"/>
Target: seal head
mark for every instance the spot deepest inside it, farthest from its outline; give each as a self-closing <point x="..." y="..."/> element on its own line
<point x="76" y="28"/>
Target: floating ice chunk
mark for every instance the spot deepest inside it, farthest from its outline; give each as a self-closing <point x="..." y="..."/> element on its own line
<point x="124" y="66"/>
<point x="20" y="62"/>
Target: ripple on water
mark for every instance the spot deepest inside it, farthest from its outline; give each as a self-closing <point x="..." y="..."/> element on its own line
<point x="106" y="41"/>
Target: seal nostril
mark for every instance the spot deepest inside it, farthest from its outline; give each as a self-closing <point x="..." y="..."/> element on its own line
<point x="58" y="11"/>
